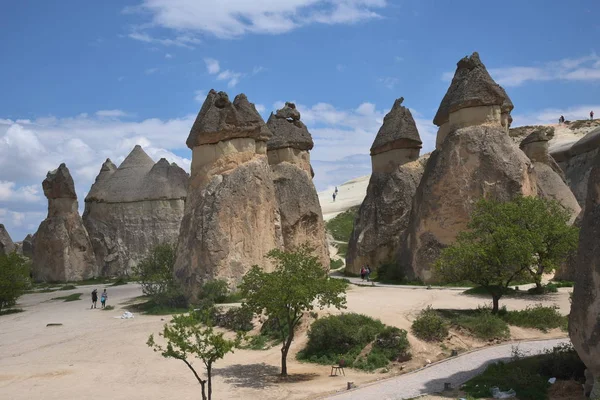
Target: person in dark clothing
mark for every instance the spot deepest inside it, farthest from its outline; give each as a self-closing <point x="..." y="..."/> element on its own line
<point x="363" y="271"/>
<point x="368" y="273"/>
<point x="94" y="298"/>
<point x="334" y="196"/>
<point x="592" y="115"/>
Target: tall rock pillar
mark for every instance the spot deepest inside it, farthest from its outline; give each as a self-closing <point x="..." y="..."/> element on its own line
<point x="62" y="247"/>
<point x="231" y="214"/>
<point x="384" y="213"/>
<point x="289" y="158"/>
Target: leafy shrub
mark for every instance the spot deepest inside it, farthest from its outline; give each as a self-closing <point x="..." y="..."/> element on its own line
<point x="560" y="284"/>
<point x="335" y="264"/>
<point x="258" y="342"/>
<point x="481" y="291"/>
<point x="549" y="288"/>
<point x="538" y="317"/>
<point x="372" y="361"/>
<point x="389" y="273"/>
<point x="562" y="362"/>
<point x="272" y="330"/>
<point x="235" y="319"/>
<point x="484" y="325"/>
<point x="341" y="225"/>
<point x="14" y="279"/>
<point x="215" y="290"/>
<point x="393" y="343"/>
<point x="430" y="326"/>
<point x="340" y="336"/>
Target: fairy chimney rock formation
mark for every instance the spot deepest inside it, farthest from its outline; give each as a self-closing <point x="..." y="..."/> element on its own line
<point x="397" y="141"/>
<point x="473" y="98"/>
<point x="231" y="219"/>
<point x="475" y="158"/>
<point x="384" y="213"/>
<point x="132" y="208"/>
<point x="299" y="207"/>
<point x="584" y="325"/>
<point x="550" y="178"/>
<point x="62" y="247"/>
<point x="6" y="244"/>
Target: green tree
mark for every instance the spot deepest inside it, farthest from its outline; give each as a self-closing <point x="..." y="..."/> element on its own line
<point x="14" y="278"/>
<point x="187" y="338"/>
<point x="492" y="253"/>
<point x="545" y="223"/>
<point x="155" y="274"/>
<point x="297" y="285"/>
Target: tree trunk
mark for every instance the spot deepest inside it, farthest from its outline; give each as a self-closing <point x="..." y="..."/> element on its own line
<point x="202" y="383"/>
<point x="496" y="303"/>
<point x="284" y="352"/>
<point x="208" y="372"/>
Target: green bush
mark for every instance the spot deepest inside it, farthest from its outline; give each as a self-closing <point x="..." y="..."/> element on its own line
<point x="340" y="336"/>
<point x="235" y="319"/>
<point x="218" y="292"/>
<point x="271" y="329"/>
<point x="335" y="264"/>
<point x="481" y="291"/>
<point x="393" y="343"/>
<point x="258" y="342"/>
<point x="560" y="284"/>
<point x="562" y="362"/>
<point x="538" y="317"/>
<point x="430" y="326"/>
<point x="14" y="279"/>
<point x="549" y="288"/>
<point x="388" y="273"/>
<point x="71" y="297"/>
<point x="484" y="325"/>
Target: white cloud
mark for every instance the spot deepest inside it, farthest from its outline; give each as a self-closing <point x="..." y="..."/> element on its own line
<point x="168" y="55"/>
<point x="586" y="68"/>
<point x="151" y="71"/>
<point x="229" y="19"/>
<point x="257" y="70"/>
<point x="178" y="41"/>
<point x="9" y="192"/>
<point x="200" y="96"/>
<point x="111" y="113"/>
<point x="212" y="66"/>
<point x="551" y="115"/>
<point x="389" y="81"/>
<point x="260" y="108"/>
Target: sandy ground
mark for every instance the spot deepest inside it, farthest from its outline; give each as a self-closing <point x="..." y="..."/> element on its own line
<point x="350" y="194"/>
<point x="95" y="354"/>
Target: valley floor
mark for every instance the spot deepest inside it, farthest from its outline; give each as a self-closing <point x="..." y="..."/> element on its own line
<point x="96" y="354"/>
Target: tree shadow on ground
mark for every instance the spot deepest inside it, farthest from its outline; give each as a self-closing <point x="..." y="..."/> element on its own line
<point x="258" y="376"/>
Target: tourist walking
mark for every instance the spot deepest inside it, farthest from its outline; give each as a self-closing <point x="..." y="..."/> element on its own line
<point x="334" y="194"/>
<point x="336" y="190"/>
<point x="561" y="120"/>
<point x="368" y="273"/>
<point x="94" y="298"/>
<point x="363" y="271"/>
<point x="103" y="298"/>
<point x="592" y="115"/>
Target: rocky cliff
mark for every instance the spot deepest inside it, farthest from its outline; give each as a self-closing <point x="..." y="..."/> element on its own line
<point x="383" y="215"/>
<point x="231" y="219"/>
<point x="62" y="247"/>
<point x="132" y="208"/>
<point x="474" y="159"/>
<point x="289" y="158"/>
<point x="584" y="324"/>
<point x="6" y="244"/>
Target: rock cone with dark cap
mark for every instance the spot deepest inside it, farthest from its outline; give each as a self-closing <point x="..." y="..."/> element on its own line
<point x="6" y="244"/>
<point x="584" y="321"/>
<point x="550" y="178"/>
<point x="384" y="213"/>
<point x="62" y="247"/>
<point x="475" y="159"/>
<point x="231" y="218"/>
<point x="473" y="98"/>
<point x="132" y="208"/>
<point x="287" y="152"/>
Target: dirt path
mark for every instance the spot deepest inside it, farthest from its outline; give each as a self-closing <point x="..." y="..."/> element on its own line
<point x="455" y="371"/>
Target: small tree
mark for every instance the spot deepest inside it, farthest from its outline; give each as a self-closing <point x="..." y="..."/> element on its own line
<point x="298" y="283"/>
<point x="187" y="338"/>
<point x="492" y="254"/>
<point x="14" y="278"/>
<point x="155" y="274"/>
<point x="545" y="223"/>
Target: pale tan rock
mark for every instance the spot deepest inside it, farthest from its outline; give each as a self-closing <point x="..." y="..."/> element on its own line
<point x="289" y="159"/>
<point x="584" y="324"/>
<point x="6" y="244"/>
<point x="62" y="248"/>
<point x="231" y="219"/>
<point x="132" y="208"/>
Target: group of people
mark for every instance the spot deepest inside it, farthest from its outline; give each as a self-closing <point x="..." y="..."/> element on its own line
<point x="335" y="192"/>
<point x="103" y="298"/>
<point x="561" y="120"/>
<point x="365" y="272"/>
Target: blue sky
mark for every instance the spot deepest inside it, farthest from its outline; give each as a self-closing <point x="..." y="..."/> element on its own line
<point x="83" y="81"/>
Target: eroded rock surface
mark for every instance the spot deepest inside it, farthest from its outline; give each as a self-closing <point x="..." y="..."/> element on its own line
<point x="384" y="213"/>
<point x="475" y="159"/>
<point x="550" y="178"/>
<point x="584" y="321"/>
<point x="62" y="248"/>
<point x="6" y="244"/>
<point x="132" y="208"/>
<point x="289" y="158"/>
<point x="231" y="219"/>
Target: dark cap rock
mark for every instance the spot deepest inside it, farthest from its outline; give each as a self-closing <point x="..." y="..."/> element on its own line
<point x="472" y="86"/>
<point x="398" y="131"/>
<point x="288" y="130"/>
<point x="220" y="119"/>
<point x="540" y="134"/>
<point x="59" y="184"/>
